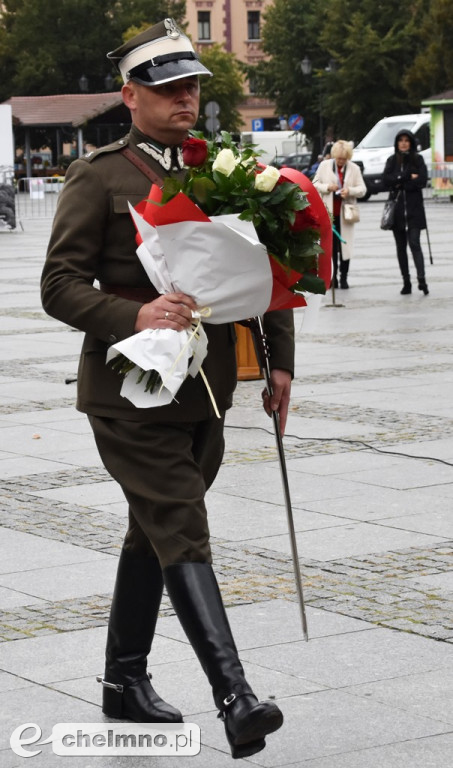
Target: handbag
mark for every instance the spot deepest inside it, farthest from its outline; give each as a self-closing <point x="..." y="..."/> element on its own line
<point x="351" y="212"/>
<point x="388" y="214"/>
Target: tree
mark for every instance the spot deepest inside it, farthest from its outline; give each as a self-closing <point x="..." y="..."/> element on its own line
<point x="225" y="87"/>
<point x="290" y="32"/>
<point x="431" y="71"/>
<point x="373" y="44"/>
<point x="373" y="47"/>
<point x="46" y="47"/>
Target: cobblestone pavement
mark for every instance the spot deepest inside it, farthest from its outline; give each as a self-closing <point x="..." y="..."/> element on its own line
<point x="374" y="588"/>
<point x="371" y="588"/>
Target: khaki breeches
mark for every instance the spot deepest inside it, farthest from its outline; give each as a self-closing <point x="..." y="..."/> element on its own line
<point x="164" y="471"/>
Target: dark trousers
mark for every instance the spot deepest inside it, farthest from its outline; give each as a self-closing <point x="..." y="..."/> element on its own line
<point x="164" y="471"/>
<point x="337" y="256"/>
<point x="411" y="237"/>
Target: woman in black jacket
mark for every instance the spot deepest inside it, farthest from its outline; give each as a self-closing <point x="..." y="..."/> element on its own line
<point x="405" y="176"/>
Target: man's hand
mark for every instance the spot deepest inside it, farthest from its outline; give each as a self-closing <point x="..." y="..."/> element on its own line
<point x="281" y="388"/>
<point x="172" y="310"/>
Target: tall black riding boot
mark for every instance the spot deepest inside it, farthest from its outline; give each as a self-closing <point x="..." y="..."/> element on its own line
<point x="127" y="690"/>
<point x="195" y="595"/>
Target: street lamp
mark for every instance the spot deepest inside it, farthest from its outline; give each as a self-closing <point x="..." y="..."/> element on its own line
<point x="306" y="66"/>
<point x="307" y="69"/>
<point x="83" y="84"/>
<point x="108" y="82"/>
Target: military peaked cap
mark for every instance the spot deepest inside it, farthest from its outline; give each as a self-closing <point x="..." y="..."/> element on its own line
<point x="158" y="55"/>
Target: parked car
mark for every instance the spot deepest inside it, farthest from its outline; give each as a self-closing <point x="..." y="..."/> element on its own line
<point x="278" y="160"/>
<point x="301" y="161"/>
<point x="374" y="149"/>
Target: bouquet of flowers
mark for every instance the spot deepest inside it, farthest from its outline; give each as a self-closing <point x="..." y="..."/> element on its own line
<point x="239" y="237"/>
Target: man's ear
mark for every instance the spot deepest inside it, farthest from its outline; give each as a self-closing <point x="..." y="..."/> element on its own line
<point x="129" y="95"/>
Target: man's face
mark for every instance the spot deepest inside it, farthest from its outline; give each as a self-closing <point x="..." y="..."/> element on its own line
<point x="164" y="112"/>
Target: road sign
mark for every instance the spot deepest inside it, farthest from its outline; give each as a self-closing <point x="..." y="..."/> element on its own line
<point x="296" y="122"/>
<point x="212" y="124"/>
<point x="258" y="124"/>
<point x="211" y="109"/>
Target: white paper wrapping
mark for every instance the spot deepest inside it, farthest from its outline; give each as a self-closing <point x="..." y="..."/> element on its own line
<point x="223" y="266"/>
<point x="163" y="350"/>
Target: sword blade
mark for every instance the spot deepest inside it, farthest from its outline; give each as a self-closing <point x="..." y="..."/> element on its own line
<point x="263" y="359"/>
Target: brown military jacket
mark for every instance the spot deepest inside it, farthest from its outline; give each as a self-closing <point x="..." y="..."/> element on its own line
<point x="92" y="242"/>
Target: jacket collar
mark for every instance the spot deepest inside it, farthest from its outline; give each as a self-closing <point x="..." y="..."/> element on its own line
<point x="169" y="158"/>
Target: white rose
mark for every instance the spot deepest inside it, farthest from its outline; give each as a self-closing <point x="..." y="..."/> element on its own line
<point x="267" y="180"/>
<point x="225" y="162"/>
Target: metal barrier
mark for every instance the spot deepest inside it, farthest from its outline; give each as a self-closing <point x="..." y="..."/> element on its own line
<point x="37" y="196"/>
<point x="7" y="199"/>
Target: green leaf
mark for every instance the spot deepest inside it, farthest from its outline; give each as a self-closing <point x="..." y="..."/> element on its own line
<point x="310" y="283"/>
<point x="170" y="188"/>
<point x="202" y="188"/>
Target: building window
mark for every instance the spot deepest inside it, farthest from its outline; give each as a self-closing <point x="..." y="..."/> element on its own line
<point x="252" y="85"/>
<point x="253" y="25"/>
<point x="204" y="25"/>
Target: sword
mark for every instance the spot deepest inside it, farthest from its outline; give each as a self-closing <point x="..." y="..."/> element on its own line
<point x="262" y="353"/>
<point x="429" y="245"/>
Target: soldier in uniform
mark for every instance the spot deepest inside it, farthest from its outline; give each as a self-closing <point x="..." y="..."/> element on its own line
<point x="164" y="458"/>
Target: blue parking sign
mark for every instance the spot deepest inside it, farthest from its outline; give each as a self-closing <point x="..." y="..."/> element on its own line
<point x="258" y="124"/>
<point x="296" y="122"/>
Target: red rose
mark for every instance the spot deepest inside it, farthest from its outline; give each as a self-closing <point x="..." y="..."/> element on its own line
<point x="194" y="152"/>
<point x="305" y="220"/>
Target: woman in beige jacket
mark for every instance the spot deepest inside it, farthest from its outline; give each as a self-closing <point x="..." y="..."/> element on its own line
<point x="340" y="182"/>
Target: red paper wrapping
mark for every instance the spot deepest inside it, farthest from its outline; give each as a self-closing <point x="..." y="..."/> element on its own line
<point x="181" y="208"/>
<point x="325" y="225"/>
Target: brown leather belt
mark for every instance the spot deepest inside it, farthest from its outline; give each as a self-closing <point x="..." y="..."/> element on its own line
<point x="144" y="293"/>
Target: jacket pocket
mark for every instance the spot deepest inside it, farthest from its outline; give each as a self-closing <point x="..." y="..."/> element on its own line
<point x="120" y="203"/>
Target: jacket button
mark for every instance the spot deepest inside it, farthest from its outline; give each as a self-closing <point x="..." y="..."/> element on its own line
<point x="112" y="338"/>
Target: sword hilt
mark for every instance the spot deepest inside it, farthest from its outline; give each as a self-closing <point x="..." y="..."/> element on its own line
<point x="262" y="350"/>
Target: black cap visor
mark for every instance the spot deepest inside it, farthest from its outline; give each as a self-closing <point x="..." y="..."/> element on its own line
<point x="164" y="69"/>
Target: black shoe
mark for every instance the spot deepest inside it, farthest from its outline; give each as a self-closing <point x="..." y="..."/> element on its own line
<point x="127" y="690"/>
<point x="195" y="595"/>
<point x="335" y="282"/>
<point x="422" y="286"/>
<point x="344" y="283"/>
<point x="407" y="288"/>
<point x="247" y="721"/>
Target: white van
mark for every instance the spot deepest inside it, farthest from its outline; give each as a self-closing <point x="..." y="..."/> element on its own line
<point x="379" y="143"/>
<point x="272" y="143"/>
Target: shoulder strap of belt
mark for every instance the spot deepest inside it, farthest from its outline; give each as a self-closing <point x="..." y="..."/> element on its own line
<point x="142" y="166"/>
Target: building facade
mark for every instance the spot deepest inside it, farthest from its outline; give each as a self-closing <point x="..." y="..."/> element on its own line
<point x="235" y="24"/>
